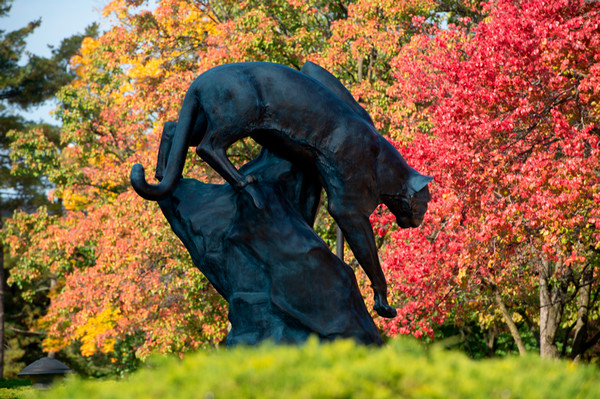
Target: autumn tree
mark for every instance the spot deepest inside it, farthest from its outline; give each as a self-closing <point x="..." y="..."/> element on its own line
<point x="25" y="82"/>
<point x="123" y="282"/>
<point x="508" y="118"/>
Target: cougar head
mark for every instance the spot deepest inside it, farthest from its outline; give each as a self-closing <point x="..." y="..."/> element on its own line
<point x="410" y="206"/>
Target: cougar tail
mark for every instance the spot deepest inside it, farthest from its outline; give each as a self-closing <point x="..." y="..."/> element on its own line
<point x="191" y="123"/>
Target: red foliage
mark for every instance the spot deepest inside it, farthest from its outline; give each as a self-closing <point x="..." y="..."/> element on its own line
<point x="505" y="117"/>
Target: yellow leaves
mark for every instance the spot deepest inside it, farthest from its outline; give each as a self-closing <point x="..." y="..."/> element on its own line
<point x="463" y="277"/>
<point x="172" y="21"/>
<point x="119" y="96"/>
<point x="54" y="344"/>
<point x="77" y="200"/>
<point x="73" y="201"/>
<point x="113" y="6"/>
<point x="85" y="62"/>
<point x="487" y="319"/>
<point x="91" y="333"/>
<point x="103" y="159"/>
<point x="596" y="107"/>
<point x="78" y="197"/>
<point x="516" y="317"/>
<point x="149" y="69"/>
<point x="88" y="47"/>
<point x="195" y="17"/>
<point x="118" y="7"/>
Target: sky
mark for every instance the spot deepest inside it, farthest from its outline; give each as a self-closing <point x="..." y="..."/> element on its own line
<point x="60" y="19"/>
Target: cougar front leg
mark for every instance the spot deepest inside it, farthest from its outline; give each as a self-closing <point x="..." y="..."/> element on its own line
<point x="358" y="232"/>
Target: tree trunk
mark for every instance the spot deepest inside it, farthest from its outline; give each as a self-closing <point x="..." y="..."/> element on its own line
<point x="491" y="340"/>
<point x="514" y="331"/>
<point x="361" y="63"/>
<point x="551" y="307"/>
<point x="372" y="58"/>
<point x="1" y="305"/>
<point x="531" y="325"/>
<point x="583" y="306"/>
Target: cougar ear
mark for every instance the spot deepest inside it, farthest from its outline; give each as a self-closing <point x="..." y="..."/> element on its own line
<point x="416" y="182"/>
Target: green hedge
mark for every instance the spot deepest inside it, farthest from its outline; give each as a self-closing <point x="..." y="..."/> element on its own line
<point x="343" y="370"/>
<point x="16" y="389"/>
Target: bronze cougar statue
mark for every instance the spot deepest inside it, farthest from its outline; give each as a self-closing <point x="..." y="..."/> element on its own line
<point x="310" y="119"/>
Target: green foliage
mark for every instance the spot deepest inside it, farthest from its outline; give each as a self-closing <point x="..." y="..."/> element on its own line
<point x="342" y="370"/>
<point x="16" y="389"/>
<point x="13" y="383"/>
<point x="17" y="393"/>
<point x="23" y="185"/>
<point x="121" y="362"/>
<point x="325" y="225"/>
<point x="478" y="342"/>
<point x="40" y="78"/>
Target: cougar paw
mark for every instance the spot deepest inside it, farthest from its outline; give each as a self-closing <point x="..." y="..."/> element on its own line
<point x="249" y="179"/>
<point x="383" y="309"/>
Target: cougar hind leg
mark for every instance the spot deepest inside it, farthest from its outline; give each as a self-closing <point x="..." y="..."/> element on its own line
<point x="214" y="152"/>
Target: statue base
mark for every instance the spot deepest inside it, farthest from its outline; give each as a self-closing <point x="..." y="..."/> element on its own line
<point x="281" y="280"/>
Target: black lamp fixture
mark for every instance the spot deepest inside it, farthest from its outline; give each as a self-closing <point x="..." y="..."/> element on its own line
<point x="44" y="372"/>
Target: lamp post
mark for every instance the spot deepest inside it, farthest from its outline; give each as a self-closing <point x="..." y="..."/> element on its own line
<point x="44" y="372"/>
<point x="339" y="243"/>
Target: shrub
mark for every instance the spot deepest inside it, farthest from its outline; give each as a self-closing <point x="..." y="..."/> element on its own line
<point x="342" y="370"/>
<point x="16" y="389"/>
